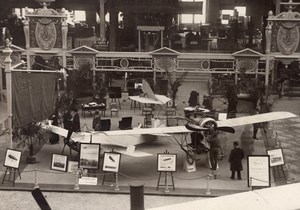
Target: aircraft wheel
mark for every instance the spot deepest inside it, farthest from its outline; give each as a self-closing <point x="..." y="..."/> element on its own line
<point x="190" y="157"/>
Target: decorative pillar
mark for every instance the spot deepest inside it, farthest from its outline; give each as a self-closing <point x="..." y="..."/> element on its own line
<point x="268" y="34"/>
<point x="267" y="71"/>
<point x="277" y="7"/>
<point x="64" y="27"/>
<point x="26" y="31"/>
<point x="113" y="29"/>
<point x="102" y="19"/>
<point x="139" y="35"/>
<point x="161" y="38"/>
<point x="7" y="52"/>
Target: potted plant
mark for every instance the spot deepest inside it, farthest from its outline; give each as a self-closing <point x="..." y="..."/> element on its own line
<point x="173" y="90"/>
<point x="30" y="134"/>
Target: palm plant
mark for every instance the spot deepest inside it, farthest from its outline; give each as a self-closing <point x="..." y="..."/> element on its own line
<point x="30" y="134"/>
<point x="173" y="90"/>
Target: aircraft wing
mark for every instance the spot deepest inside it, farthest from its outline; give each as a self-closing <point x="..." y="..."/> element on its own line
<point x="150" y="98"/>
<point x="259" y="118"/>
<point x="160" y="99"/>
<point x="122" y="141"/>
<point x="268" y="199"/>
<point x="152" y="131"/>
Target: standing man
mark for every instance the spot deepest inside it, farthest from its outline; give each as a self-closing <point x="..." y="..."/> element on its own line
<point x="235" y="160"/>
<point x="255" y="126"/>
<point x="75" y="120"/>
<point x="213" y="153"/>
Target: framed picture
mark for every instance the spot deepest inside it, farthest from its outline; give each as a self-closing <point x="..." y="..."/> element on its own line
<point x="276" y="157"/>
<point x="12" y="158"/>
<point x="72" y="166"/>
<point x="89" y="156"/>
<point x="59" y="162"/>
<point x="259" y="171"/>
<point x="166" y="162"/>
<point x="111" y="162"/>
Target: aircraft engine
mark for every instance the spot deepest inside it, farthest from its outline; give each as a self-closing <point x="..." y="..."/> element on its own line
<point x="208" y="123"/>
<point x="203" y="124"/>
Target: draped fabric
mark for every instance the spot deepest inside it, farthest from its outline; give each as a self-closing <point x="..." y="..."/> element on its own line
<point x="33" y="97"/>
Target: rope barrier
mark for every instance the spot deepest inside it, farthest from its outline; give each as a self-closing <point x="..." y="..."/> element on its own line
<point x="79" y="173"/>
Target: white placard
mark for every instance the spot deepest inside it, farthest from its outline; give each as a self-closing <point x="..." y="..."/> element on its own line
<point x="276" y="157"/>
<point x="259" y="171"/>
<point x="222" y="116"/>
<point x="130" y="149"/>
<point x="166" y="162"/>
<point x="111" y="162"/>
<point x="88" y="180"/>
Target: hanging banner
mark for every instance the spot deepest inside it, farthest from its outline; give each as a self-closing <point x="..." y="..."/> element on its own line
<point x="33" y="97"/>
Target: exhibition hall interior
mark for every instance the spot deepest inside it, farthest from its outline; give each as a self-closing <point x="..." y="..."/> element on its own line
<point x="195" y="98"/>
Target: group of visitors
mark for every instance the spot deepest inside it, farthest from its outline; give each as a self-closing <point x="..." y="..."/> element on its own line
<point x="71" y="122"/>
<point x="235" y="158"/>
<point x="194" y="100"/>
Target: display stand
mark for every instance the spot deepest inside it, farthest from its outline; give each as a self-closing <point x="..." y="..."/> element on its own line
<point x="8" y="172"/>
<point x="114" y="100"/>
<point x="166" y="185"/>
<point x="107" y="177"/>
<point x="92" y="173"/>
<point x="279" y="171"/>
<point x="111" y="165"/>
<point x="166" y="163"/>
<point x="135" y="105"/>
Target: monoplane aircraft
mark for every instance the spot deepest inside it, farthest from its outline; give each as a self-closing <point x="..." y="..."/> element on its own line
<point x="118" y="138"/>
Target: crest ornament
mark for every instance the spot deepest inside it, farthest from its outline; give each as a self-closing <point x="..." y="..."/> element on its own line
<point x="288" y="38"/>
<point x="45" y="34"/>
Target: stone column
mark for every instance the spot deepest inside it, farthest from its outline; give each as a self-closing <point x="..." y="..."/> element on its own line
<point x="113" y="27"/>
<point x="102" y="19"/>
<point x="7" y="53"/>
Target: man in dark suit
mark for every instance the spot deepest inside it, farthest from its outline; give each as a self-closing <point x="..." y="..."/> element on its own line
<point x="235" y="160"/>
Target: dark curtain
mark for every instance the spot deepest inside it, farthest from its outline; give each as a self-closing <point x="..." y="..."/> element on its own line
<point x="33" y="97"/>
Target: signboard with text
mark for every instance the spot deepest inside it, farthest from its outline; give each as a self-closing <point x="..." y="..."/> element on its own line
<point x="259" y="171"/>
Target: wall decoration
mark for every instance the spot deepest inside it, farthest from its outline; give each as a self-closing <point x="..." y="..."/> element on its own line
<point x="111" y="162"/>
<point x="89" y="155"/>
<point x="59" y="162"/>
<point x="166" y="162"/>
<point x="276" y="157"/>
<point x="12" y="158"/>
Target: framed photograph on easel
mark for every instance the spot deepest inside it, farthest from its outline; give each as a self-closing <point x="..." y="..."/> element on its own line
<point x="12" y="158"/>
<point x="276" y="157"/>
<point x="166" y="162"/>
<point x="89" y="156"/>
<point x="59" y="162"/>
<point x="111" y="162"/>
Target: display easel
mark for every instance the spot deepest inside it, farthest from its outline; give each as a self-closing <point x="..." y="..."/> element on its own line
<point x="280" y="171"/>
<point x="109" y="179"/>
<point x="111" y="165"/>
<point x="166" y="181"/>
<point x="166" y="173"/>
<point x="9" y="171"/>
<point x="117" y="101"/>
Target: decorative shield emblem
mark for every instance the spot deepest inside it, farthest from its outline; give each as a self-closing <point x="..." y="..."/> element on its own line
<point x="45" y="35"/>
<point x="288" y="39"/>
<point x="166" y="64"/>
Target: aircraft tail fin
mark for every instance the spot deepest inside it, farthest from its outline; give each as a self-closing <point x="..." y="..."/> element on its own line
<point x="148" y="91"/>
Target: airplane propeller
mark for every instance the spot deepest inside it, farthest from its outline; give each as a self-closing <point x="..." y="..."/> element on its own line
<point x="206" y="124"/>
